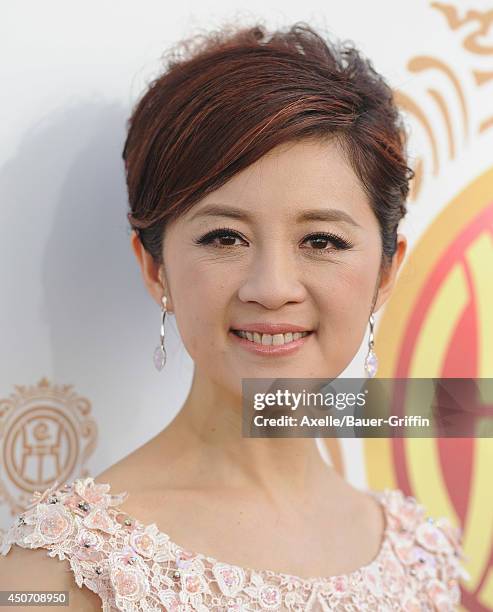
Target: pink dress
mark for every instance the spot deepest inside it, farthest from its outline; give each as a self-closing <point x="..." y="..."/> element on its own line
<point x="134" y="567"/>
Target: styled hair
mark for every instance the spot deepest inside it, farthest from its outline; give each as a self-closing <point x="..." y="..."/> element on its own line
<point x="228" y="97"/>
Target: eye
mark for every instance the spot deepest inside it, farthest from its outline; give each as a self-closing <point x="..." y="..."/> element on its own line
<point x="220" y="234"/>
<point x="322" y="239"/>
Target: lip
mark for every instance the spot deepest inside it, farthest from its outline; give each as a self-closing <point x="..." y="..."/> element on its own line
<point x="271" y="349"/>
<point x="270" y="328"/>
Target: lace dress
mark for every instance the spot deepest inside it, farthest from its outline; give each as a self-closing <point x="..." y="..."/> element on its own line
<point x="134" y="567"/>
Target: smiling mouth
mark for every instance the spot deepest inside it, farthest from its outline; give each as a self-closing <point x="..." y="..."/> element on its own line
<point x="270" y="339"/>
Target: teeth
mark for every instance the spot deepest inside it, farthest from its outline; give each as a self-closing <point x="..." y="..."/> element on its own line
<point x="268" y="339"/>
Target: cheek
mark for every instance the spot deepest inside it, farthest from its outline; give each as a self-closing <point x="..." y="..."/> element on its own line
<point x="200" y="309"/>
<point x="345" y="302"/>
<point x="349" y="285"/>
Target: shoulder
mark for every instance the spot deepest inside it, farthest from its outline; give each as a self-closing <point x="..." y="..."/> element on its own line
<point x="430" y="548"/>
<point x="33" y="570"/>
<point x="135" y="473"/>
<point x="63" y="534"/>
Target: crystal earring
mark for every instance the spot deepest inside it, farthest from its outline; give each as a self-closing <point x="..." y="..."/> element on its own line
<point x="371" y="361"/>
<point x="160" y="351"/>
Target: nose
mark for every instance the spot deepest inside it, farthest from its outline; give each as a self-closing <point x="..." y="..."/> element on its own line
<point x="272" y="279"/>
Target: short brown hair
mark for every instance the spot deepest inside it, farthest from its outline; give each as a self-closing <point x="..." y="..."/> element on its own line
<point x="228" y="97"/>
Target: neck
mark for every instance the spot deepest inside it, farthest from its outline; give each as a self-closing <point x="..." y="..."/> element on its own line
<point x="207" y="433"/>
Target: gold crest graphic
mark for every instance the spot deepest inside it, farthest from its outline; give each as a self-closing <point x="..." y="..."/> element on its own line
<point x="46" y="435"/>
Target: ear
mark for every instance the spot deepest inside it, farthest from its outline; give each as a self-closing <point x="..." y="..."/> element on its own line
<point x="389" y="275"/>
<point x="152" y="272"/>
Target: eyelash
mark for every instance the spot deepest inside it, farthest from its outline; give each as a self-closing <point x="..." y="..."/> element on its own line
<point x="340" y="242"/>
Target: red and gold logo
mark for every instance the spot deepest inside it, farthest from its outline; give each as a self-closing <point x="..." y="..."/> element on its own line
<point x="439" y="320"/>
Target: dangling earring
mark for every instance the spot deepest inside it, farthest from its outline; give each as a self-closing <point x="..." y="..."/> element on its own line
<point x="160" y="351"/>
<point x="371" y="361"/>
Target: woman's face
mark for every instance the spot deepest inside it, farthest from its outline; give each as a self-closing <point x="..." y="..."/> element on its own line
<point x="273" y="266"/>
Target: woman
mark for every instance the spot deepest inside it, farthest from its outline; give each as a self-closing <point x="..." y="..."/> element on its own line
<point x="266" y="177"/>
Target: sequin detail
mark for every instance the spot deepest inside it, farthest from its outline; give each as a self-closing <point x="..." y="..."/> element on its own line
<point x="134" y="567"/>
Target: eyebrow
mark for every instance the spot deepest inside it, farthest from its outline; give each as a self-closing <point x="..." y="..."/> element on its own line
<point x="314" y="214"/>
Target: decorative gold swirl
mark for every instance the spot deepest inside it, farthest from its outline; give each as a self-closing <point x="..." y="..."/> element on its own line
<point x="422" y="64"/>
<point x="473" y="40"/>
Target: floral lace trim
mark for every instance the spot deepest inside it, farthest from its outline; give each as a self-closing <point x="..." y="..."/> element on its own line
<point x="134" y="567"/>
